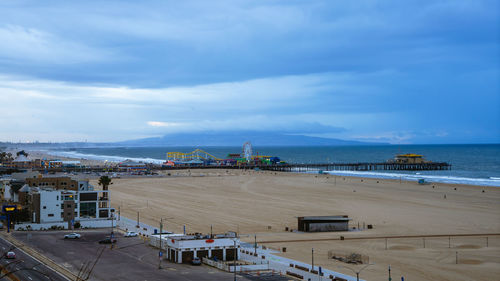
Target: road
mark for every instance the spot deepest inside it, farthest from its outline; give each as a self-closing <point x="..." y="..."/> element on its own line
<point x="131" y="259"/>
<point x="25" y="267"/>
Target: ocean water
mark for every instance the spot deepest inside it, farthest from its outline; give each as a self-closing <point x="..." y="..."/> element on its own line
<point x="471" y="164"/>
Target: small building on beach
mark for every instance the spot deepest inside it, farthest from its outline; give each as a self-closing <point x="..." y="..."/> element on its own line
<point x="409" y="158"/>
<point x="180" y="248"/>
<point x="323" y="223"/>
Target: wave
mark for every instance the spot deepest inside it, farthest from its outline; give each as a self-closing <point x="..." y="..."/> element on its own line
<point x="491" y="181"/>
<point x="110" y="158"/>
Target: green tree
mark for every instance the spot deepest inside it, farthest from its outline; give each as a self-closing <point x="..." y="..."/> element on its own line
<point x="22" y="152"/>
<point x="105" y="181"/>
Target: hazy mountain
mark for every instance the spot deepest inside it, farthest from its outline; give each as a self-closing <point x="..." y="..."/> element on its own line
<point x="237" y="138"/>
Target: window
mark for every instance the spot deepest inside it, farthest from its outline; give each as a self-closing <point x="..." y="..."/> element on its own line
<point x="45" y="207"/>
<point x="50" y="215"/>
<point x="57" y="197"/>
<point x="68" y="205"/>
<point x="88" y="210"/>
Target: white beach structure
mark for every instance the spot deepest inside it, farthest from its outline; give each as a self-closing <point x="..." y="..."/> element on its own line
<point x="182" y="248"/>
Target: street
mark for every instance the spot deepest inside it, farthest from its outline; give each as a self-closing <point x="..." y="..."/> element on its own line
<point x="24" y="266"/>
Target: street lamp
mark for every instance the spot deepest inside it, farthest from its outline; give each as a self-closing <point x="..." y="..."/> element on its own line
<point x="160" y="252"/>
<point x="359" y="271"/>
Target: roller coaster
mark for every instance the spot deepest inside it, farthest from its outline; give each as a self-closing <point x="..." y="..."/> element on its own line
<point x="197" y="154"/>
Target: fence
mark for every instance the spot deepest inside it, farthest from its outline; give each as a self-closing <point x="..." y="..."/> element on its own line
<point x="238" y="267"/>
<point x="348" y="257"/>
<point x="291" y="267"/>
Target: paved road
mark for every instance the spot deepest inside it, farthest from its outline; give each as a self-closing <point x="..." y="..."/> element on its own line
<point x="26" y="267"/>
<point x="131" y="259"/>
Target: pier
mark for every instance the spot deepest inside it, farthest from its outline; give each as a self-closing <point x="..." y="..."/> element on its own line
<point x="289" y="167"/>
<point x="281" y="167"/>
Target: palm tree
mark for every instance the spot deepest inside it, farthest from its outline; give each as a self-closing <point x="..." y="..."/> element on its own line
<point x="105" y="181"/>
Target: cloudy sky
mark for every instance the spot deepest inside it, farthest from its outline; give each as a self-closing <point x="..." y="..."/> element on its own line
<point x="385" y="71"/>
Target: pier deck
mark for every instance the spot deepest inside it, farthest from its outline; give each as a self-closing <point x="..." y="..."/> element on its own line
<point x="287" y="167"/>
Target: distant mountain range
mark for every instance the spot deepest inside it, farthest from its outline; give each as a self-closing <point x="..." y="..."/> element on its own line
<point x="213" y="138"/>
<point x="237" y="138"/>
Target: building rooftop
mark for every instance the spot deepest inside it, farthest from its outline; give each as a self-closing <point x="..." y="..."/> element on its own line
<point x="326" y="218"/>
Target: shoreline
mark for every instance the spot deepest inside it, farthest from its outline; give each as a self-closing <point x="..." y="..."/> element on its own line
<point x="393" y="177"/>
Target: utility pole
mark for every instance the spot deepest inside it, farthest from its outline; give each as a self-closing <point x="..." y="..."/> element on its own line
<point x="390" y="279"/>
<point x="160" y="253"/>
<point x="312" y="258"/>
<point x="112" y="230"/>
<point x="138" y="219"/>
<point x="234" y="260"/>
<point x="255" y="244"/>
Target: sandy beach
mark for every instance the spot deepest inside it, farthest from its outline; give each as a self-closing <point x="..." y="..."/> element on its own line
<point x="264" y="203"/>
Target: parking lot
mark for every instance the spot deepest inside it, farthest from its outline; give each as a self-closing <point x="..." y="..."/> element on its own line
<point x="130" y="259"/>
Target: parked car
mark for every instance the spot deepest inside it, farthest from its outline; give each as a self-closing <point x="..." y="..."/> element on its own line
<point x="72" y="236"/>
<point x="131" y="234"/>
<point x="10" y="255"/>
<point x="196" y="261"/>
<point x="107" y="240"/>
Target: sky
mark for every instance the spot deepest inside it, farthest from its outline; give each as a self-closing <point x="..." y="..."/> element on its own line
<point x="402" y="72"/>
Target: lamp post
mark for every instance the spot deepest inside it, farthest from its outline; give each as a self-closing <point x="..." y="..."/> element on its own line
<point x="234" y="260"/>
<point x="112" y="236"/>
<point x="160" y="253"/>
<point x="359" y="271"/>
<point x="255" y="244"/>
<point x="312" y="258"/>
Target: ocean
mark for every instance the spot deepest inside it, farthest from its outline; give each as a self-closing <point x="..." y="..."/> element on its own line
<point x="471" y="164"/>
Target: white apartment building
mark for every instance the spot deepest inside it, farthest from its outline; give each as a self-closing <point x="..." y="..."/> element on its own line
<point x="49" y="205"/>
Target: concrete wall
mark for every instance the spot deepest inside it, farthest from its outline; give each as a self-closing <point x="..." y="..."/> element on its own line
<point x="64" y="225"/>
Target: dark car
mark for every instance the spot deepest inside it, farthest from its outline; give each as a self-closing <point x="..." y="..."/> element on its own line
<point x="107" y="240"/>
<point x="196" y="261"/>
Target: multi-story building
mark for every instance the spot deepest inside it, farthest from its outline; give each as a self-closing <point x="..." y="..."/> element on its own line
<point x="63" y="200"/>
<point x="57" y="183"/>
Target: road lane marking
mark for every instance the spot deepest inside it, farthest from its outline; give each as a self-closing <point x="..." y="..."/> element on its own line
<point x="30" y="278"/>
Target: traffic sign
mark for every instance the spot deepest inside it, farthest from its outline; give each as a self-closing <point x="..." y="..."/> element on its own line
<point x="160" y="254"/>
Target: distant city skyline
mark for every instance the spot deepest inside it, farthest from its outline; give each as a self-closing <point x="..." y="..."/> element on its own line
<point x="400" y="72"/>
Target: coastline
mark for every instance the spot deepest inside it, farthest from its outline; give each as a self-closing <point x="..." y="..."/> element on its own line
<point x="97" y="160"/>
<point x="263" y="204"/>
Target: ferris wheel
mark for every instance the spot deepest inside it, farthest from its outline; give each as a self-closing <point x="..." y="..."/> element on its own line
<point x="247" y="150"/>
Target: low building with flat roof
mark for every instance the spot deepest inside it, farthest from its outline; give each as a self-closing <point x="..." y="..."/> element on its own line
<point x="323" y="223"/>
<point x="180" y="248"/>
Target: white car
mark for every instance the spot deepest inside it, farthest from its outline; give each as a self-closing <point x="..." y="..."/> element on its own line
<point x="10" y="255"/>
<point x="72" y="236"/>
<point x="131" y="234"/>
